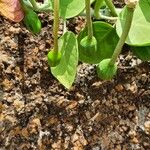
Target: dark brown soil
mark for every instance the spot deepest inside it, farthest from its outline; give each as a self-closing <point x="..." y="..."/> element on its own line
<point x="38" y="113"/>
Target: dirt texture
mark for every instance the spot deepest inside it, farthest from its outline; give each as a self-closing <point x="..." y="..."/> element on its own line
<point x="38" y="113"/>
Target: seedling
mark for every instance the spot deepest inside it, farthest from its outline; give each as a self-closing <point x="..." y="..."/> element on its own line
<point x="107" y="67"/>
<point x="88" y="44"/>
<point x="98" y="43"/>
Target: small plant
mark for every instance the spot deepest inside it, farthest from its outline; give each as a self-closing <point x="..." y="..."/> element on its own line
<point x="88" y="44"/>
<point x="107" y="67"/>
<point x="98" y="43"/>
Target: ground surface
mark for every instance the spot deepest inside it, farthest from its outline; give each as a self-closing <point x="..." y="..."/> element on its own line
<point x="37" y="112"/>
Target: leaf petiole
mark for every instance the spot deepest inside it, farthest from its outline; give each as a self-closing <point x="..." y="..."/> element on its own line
<point x="126" y="29"/>
<point x="88" y="18"/>
<point x="56" y="25"/>
<point x="97" y="6"/>
<point x="112" y="8"/>
<point x="40" y="7"/>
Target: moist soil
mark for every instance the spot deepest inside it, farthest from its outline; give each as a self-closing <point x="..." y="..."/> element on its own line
<point x="38" y="113"/>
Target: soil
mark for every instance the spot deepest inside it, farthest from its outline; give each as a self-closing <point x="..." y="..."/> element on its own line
<point x="38" y="113"/>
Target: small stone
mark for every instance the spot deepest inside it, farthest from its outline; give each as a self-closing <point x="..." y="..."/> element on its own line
<point x="7" y="84"/>
<point x="1" y="107"/>
<point x="116" y="107"/>
<point x="4" y="57"/>
<point x="148" y="116"/>
<point x="96" y="148"/>
<point x="79" y="96"/>
<point x="14" y="30"/>
<point x="72" y="105"/>
<point x="133" y="87"/>
<point x="42" y="47"/>
<point x="134" y="140"/>
<point x="118" y="147"/>
<point x="131" y="108"/>
<point x="132" y="134"/>
<point x="119" y="87"/>
<point x="34" y="126"/>
<point x="69" y="127"/>
<point x="147" y="126"/>
<point x="97" y="84"/>
<point x="18" y="104"/>
<point x="88" y="116"/>
<point x="146" y="144"/>
<point x="125" y="128"/>
<point x="81" y="101"/>
<point x="57" y="145"/>
<point x="25" y="132"/>
<point x="97" y="117"/>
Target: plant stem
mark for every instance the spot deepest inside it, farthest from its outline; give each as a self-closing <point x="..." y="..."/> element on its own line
<point x="108" y="18"/>
<point x="56" y="24"/>
<point x="40" y="7"/>
<point x="88" y="18"/>
<point x="101" y="16"/>
<point x="125" y="31"/>
<point x="24" y="7"/>
<point x="97" y="6"/>
<point x="34" y="3"/>
<point x="64" y="28"/>
<point x="111" y="7"/>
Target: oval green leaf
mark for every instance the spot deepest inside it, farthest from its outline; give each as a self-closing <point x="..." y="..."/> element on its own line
<point x="71" y="8"/>
<point x="65" y="71"/>
<point x="32" y="22"/>
<point x="107" y="39"/>
<point x="139" y="34"/>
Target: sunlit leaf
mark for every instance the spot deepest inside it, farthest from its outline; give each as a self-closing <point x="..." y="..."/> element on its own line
<point x="71" y="8"/>
<point x="107" y="39"/>
<point x="139" y="34"/>
<point x="11" y="9"/>
<point x="66" y="70"/>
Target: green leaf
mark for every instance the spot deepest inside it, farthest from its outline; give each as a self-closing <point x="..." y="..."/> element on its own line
<point x="32" y="22"/>
<point x="71" y="8"/>
<point x="139" y="34"/>
<point x="107" y="39"/>
<point x="142" y="52"/>
<point x="65" y="71"/>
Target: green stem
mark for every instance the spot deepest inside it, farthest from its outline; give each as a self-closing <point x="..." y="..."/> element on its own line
<point x="56" y="24"/>
<point x="65" y="27"/>
<point x="88" y="18"/>
<point x="101" y="16"/>
<point x="114" y="19"/>
<point x="97" y="6"/>
<point x="36" y="6"/>
<point x="34" y="3"/>
<point x="24" y="7"/>
<point x="111" y="6"/>
<point x="125" y="31"/>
